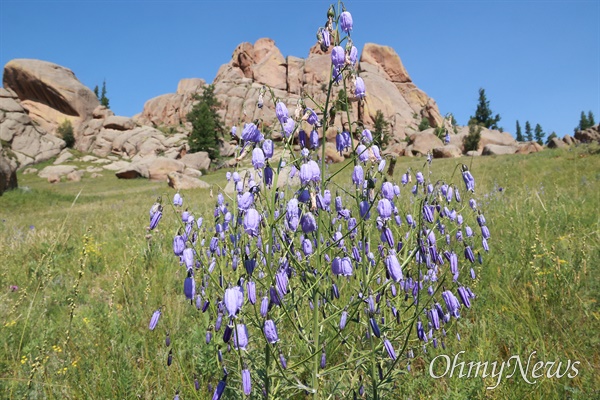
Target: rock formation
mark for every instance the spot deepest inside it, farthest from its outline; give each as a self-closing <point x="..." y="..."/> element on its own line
<point x="237" y="85"/>
<point x="26" y="140"/>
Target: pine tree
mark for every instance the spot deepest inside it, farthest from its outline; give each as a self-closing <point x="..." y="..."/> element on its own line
<point x="206" y="124"/>
<point x="381" y="131"/>
<point x="519" y="134"/>
<point x="483" y="114"/>
<point x="550" y="137"/>
<point x="539" y="134"/>
<point x="103" y="99"/>
<point x="96" y="92"/>
<point x="471" y="141"/>
<point x="583" y="123"/>
<point x="528" y="132"/>
<point x="590" y="119"/>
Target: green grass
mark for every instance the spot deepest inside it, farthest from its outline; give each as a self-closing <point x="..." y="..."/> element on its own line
<point x="89" y="280"/>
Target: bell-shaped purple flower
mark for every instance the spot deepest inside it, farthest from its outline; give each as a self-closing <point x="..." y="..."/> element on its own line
<point x="155" y="219"/>
<point x="219" y="389"/>
<point x="270" y="331"/>
<point x="231" y="300"/>
<point x="341" y="266"/>
<point x="245" y="201"/>
<point x="311" y="116"/>
<point x="251" y="133"/>
<point x="364" y="208"/>
<point x="258" y="158"/>
<point x="288" y="127"/>
<point x="154" y="319"/>
<point x="178" y="245"/>
<point x="240" y="338"/>
<point x="268" y="176"/>
<point x="189" y="286"/>
<point x="353" y="55"/>
<point x="387" y="190"/>
<point x="374" y="327"/>
<point x="360" y="90"/>
<point x="281" y="111"/>
<point x="393" y="267"/>
<point x="246" y="382"/>
<point x="267" y="148"/>
<point x="314" y="139"/>
<point x="251" y="290"/>
<point x="389" y="348"/>
<point x="264" y="306"/>
<point x="469" y="180"/>
<point x="363" y="153"/>
<point x="308" y="223"/>
<point x="251" y="222"/>
<point x="338" y="56"/>
<point x="358" y="176"/>
<point x="343" y="320"/>
<point x="177" y="200"/>
<point x="307" y="247"/>
<point x="346" y="21"/>
<point x="384" y="207"/>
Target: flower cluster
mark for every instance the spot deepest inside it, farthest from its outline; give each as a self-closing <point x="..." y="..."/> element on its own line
<point x="328" y="275"/>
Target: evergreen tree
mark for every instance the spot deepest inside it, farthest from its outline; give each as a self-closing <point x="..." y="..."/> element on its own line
<point x="471" y="141"/>
<point x="381" y="131"/>
<point x="103" y="98"/>
<point x="583" y="123"/>
<point x="519" y="134"/>
<point x="550" y="137"/>
<point x="483" y="114"/>
<point x="539" y="134"/>
<point x="590" y="119"/>
<point x="96" y="92"/>
<point x="206" y="124"/>
<point x="528" y="132"/>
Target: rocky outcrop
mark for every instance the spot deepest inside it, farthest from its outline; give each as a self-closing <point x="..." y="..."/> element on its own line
<point x="488" y="137"/>
<point x="556" y="143"/>
<point x="172" y="109"/>
<point x="237" y="85"/>
<point x="496" y="150"/>
<point x="51" y="93"/>
<point x="589" y="135"/>
<point x="424" y="142"/>
<point x="448" y="151"/>
<point x="529" y="147"/>
<point x="179" y="181"/>
<point x="26" y="140"/>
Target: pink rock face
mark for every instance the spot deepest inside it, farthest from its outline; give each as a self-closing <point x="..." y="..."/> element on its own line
<point x="49" y="84"/>
<point x="385" y="58"/>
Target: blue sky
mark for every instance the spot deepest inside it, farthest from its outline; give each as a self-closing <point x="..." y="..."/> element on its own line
<point x="537" y="60"/>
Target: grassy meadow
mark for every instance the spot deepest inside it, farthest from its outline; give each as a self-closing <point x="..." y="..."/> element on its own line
<point x="89" y="279"/>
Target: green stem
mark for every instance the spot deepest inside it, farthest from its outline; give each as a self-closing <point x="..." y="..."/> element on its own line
<point x="373" y="368"/>
<point x="267" y="365"/>
<point x="316" y="361"/>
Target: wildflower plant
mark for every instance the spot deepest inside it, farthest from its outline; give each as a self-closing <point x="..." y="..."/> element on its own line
<point x="330" y="287"/>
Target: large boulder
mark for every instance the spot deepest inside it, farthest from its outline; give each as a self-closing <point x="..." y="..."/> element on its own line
<point x="28" y="142"/>
<point x="448" y="151"/>
<point x="556" y="143"/>
<point x="198" y="160"/>
<point x="529" y="147"/>
<point x="496" y="150"/>
<point x="424" y="142"/>
<point x="180" y="181"/>
<point x="589" y="135"/>
<point x="153" y="168"/>
<point x="50" y="92"/>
